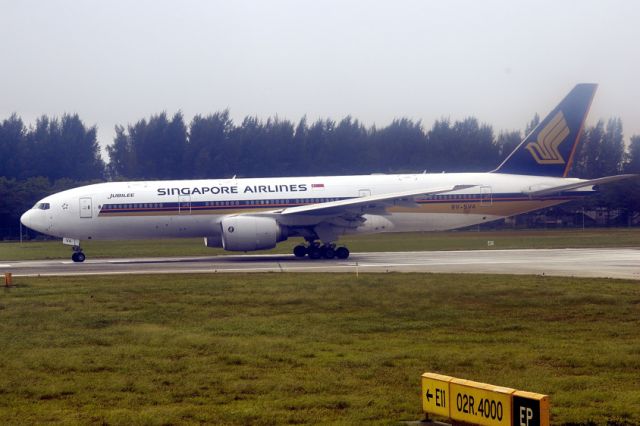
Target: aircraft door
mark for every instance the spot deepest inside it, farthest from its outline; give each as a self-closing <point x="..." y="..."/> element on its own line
<point x="184" y="204"/>
<point x="486" y="196"/>
<point x="86" y="210"/>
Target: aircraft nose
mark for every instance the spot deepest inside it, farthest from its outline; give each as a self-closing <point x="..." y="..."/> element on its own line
<point x="27" y="218"/>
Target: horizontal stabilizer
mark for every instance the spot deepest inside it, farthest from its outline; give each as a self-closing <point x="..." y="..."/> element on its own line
<point x="580" y="184"/>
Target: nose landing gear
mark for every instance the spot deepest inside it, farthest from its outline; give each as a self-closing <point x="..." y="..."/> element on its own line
<point x="316" y="251"/>
<point x="78" y="256"/>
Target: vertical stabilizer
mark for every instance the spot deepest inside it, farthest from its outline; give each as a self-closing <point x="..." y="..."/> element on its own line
<point x="549" y="149"/>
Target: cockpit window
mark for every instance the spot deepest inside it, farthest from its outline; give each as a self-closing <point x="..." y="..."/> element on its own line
<point x="42" y="206"/>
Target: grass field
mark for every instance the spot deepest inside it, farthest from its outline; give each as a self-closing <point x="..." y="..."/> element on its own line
<point x="294" y="348"/>
<point x="619" y="237"/>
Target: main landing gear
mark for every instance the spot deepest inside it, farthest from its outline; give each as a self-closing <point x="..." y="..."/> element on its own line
<point x="316" y="251"/>
<point x="78" y="256"/>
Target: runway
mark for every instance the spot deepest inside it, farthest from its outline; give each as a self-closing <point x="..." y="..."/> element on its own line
<point x="605" y="263"/>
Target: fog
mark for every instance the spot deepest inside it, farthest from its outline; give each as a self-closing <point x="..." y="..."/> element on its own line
<point x="117" y="62"/>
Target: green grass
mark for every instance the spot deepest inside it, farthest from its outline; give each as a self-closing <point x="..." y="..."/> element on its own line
<point x="296" y="348"/>
<point x="468" y="240"/>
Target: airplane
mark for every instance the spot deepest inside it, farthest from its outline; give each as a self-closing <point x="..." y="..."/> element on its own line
<point x="256" y="214"/>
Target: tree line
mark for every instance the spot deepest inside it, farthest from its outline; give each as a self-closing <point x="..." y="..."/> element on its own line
<point x="58" y="153"/>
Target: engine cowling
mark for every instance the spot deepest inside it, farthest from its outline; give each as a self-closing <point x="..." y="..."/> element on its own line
<point x="248" y="233"/>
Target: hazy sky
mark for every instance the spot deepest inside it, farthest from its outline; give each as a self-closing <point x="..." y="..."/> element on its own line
<point x="115" y="62"/>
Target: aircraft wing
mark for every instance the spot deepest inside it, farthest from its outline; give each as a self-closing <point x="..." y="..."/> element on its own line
<point x="576" y="185"/>
<point x="360" y="205"/>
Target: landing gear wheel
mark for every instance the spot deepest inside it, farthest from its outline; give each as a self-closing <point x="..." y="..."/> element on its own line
<point x="78" y="257"/>
<point x="314" y="252"/>
<point x="342" y="252"/>
<point x="328" y="252"/>
<point x="300" y="251"/>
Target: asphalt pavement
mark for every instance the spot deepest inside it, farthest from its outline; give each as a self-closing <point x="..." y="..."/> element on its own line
<point x="607" y="263"/>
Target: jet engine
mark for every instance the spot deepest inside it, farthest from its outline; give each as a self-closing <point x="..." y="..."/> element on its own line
<point x="248" y="233"/>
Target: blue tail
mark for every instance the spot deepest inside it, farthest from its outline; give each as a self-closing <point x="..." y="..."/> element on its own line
<point x="549" y="149"/>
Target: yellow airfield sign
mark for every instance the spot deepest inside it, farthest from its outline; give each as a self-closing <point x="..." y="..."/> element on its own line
<point x="435" y="394"/>
<point x="480" y="403"/>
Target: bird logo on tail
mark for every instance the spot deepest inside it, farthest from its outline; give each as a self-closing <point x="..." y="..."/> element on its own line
<point x="545" y="149"/>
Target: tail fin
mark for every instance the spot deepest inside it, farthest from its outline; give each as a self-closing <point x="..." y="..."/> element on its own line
<point x="549" y="149"/>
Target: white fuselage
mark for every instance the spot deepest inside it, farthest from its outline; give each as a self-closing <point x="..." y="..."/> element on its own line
<point x="194" y="208"/>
